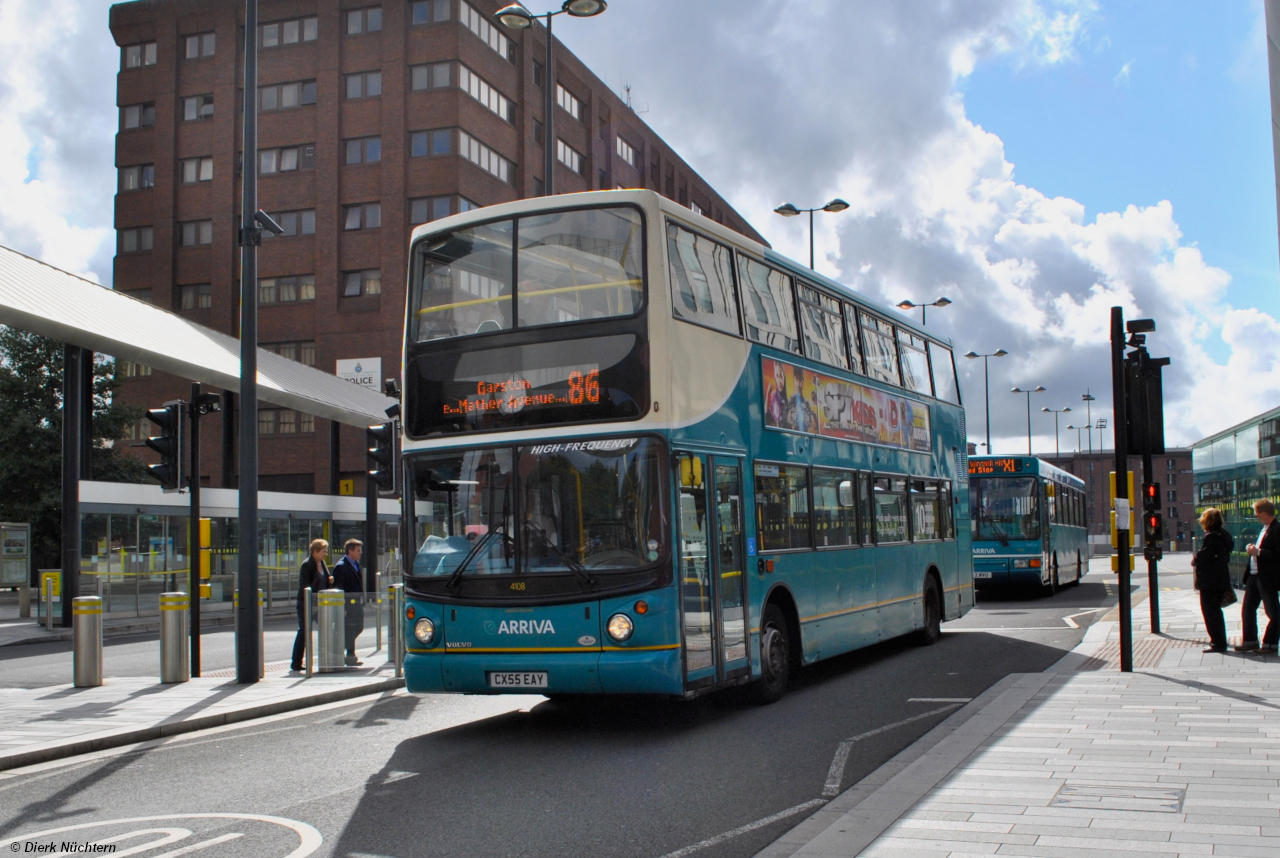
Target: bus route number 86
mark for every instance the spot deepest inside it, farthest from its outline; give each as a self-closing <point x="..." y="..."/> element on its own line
<point x="584" y="387"/>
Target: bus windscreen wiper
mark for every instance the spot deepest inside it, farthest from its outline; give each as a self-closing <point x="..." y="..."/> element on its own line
<point x="574" y="566"/>
<point x="466" y="561"/>
<point x="995" y="528"/>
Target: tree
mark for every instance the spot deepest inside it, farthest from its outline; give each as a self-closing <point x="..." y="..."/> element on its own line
<point x="31" y="436"/>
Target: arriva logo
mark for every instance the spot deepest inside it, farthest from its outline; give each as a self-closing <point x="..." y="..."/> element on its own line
<point x="521" y="627"/>
<point x="984" y="551"/>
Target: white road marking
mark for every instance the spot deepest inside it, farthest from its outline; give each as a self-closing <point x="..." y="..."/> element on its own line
<point x="750" y="826"/>
<point x="835" y="774"/>
<point x="939" y="699"/>
<point x="1071" y="620"/>
<point x="309" y="838"/>
<point x="203" y="844"/>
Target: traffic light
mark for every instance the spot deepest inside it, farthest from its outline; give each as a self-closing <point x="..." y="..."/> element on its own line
<point x="382" y="456"/>
<point x="1153" y="533"/>
<point x="1151" y="497"/>
<point x="168" y="443"/>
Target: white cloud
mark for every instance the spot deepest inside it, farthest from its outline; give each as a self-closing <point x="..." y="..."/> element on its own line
<point x="1122" y="76"/>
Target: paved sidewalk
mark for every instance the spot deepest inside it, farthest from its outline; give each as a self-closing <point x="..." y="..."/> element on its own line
<point x="42" y="724"/>
<point x="1181" y="757"/>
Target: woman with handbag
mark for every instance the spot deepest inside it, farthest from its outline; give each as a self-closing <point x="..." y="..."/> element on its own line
<point x="313" y="573"/>
<point x="1213" y="577"/>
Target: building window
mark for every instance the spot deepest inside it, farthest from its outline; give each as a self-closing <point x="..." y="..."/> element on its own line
<point x="284" y="96"/>
<point x="356" y="283"/>
<point x="364" y="150"/>
<point x="626" y="152"/>
<point x="294" y="223"/>
<point x="137" y="56"/>
<point x="200" y="45"/>
<point x="431" y="76"/>
<point x="287" y="159"/>
<point x="538" y="187"/>
<point x="198" y="297"/>
<point x="197" y="107"/>
<point x="284" y="421"/>
<point x="286" y="290"/>
<point x="129" y="369"/>
<point x="303" y="352"/>
<point x="364" y="84"/>
<point x="137" y="178"/>
<point x="695" y="208"/>
<point x="423" y="144"/>
<point x="136" y="239"/>
<point x="538" y="132"/>
<point x="267" y="421"/>
<point x="568" y="102"/>
<point x="537" y="73"/>
<point x="566" y="155"/>
<point x="197" y="170"/>
<point x="362" y="216"/>
<point x="364" y="20"/>
<point x="603" y="181"/>
<point x="484" y="157"/>
<point x="194" y="233"/>
<point x="289" y="32"/>
<point x="1172" y="495"/>
<point x="481" y="91"/>
<point x="138" y="115"/>
<point x="430" y="11"/>
<point x="426" y="209"/>
<point x="484" y="30"/>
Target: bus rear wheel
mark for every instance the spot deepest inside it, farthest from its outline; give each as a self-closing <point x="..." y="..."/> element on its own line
<point x="1051" y="589"/>
<point x="932" y="599"/>
<point x="775" y="656"/>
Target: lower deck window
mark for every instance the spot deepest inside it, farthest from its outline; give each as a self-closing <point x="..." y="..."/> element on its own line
<point x="835" y="509"/>
<point x="889" y="496"/>
<point x="782" y="507"/>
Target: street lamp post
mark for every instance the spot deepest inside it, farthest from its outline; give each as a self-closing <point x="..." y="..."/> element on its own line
<point x="516" y="17"/>
<point x="788" y="210"/>
<point x="1077" y="428"/>
<point x="986" y="385"/>
<point x="1037" y="389"/>
<point x="1088" y="406"/>
<point x="1057" y="450"/>
<point x="924" y="308"/>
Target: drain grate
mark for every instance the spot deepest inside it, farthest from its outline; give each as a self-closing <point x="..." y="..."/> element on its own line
<point x="1091" y="797"/>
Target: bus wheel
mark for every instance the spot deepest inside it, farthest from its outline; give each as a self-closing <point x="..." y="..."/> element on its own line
<point x="775" y="656"/>
<point x="932" y="630"/>
<point x="1051" y="589"/>
<point x="1079" y="571"/>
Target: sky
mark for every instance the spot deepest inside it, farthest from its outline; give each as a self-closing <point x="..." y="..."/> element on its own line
<point x="1034" y="161"/>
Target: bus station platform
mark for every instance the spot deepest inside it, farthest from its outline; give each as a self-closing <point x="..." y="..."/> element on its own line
<point x="42" y="724"/>
<point x="1180" y="757"/>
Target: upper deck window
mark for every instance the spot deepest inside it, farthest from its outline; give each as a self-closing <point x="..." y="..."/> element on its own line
<point x="570" y="266"/>
<point x="881" y="352"/>
<point x="944" y="374"/>
<point x="855" y="342"/>
<point x="823" y="329"/>
<point x="703" y="290"/>
<point x="915" y="363"/>
<point x="767" y="303"/>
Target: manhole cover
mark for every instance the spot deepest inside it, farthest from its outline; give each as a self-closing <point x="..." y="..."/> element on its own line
<point x="1151" y="799"/>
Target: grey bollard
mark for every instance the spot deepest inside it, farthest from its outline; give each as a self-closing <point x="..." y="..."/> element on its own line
<point x="48" y="604"/>
<point x="86" y="635"/>
<point x="329" y="619"/>
<point x="307" y="612"/>
<point x="377" y="610"/>
<point x="397" y="628"/>
<point x="175" y="652"/>
<point x="24" y="601"/>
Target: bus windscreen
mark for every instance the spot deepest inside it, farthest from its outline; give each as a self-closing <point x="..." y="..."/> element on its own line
<point x="1004" y="509"/>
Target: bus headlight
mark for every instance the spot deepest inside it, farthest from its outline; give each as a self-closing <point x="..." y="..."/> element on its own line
<point x="620" y="627"/>
<point x="424" y="630"/>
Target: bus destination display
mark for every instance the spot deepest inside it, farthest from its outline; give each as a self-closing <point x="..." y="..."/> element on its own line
<point x="515" y="394"/>
<point x="995" y="466"/>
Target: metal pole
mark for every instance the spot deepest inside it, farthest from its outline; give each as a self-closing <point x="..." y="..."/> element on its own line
<point x="262" y="648"/>
<point x="1028" y="423"/>
<point x="1057" y="445"/>
<point x="924" y="315"/>
<point x="377" y="609"/>
<point x="228" y="439"/>
<point x="1153" y="576"/>
<point x="335" y="456"/>
<point x="370" y="532"/>
<point x="306" y="627"/>
<point x="194" y="545"/>
<point x="248" y="643"/>
<point x="72" y="427"/>
<point x="86" y="640"/>
<point x="986" y="383"/>
<point x="397" y="628"/>
<point x="548" y="112"/>
<point x="811" y="268"/>
<point x="174" y="665"/>
<point x="86" y="414"/>
<point x="1118" y="397"/>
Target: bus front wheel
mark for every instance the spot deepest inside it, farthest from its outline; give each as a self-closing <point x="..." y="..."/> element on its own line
<point x="775" y="656"/>
<point x="932" y="599"/>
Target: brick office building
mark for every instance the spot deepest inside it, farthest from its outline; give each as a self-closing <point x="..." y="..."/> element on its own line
<point x="372" y="119"/>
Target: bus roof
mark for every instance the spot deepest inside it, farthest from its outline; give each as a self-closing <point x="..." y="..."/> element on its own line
<point x="1015" y="466"/>
<point x="705" y="224"/>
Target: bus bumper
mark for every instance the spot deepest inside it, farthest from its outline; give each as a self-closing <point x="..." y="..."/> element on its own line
<point x="613" y="672"/>
<point x="1004" y="578"/>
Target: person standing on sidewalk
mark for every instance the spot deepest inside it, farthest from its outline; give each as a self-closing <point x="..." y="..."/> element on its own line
<point x="313" y="573"/>
<point x="348" y="576"/>
<point x="1262" y="584"/>
<point x="1213" y="576"/>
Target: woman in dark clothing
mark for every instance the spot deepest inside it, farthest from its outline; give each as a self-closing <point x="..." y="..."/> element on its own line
<point x="313" y="573"/>
<point x="1213" y="577"/>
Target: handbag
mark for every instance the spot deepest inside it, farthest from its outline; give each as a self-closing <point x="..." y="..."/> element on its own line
<point x="1228" y="597"/>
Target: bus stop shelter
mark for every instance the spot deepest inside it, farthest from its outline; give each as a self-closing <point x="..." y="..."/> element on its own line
<point x="89" y="318"/>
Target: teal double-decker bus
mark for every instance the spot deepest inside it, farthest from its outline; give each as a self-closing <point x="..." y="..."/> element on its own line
<point x="644" y="454"/>
<point x="1029" y="524"/>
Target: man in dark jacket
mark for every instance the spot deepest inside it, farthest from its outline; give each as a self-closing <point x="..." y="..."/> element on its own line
<point x="348" y="576"/>
<point x="1262" y="584"/>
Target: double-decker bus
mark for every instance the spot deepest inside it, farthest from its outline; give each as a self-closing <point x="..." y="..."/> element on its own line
<point x="1029" y="524"/>
<point x="645" y="454"/>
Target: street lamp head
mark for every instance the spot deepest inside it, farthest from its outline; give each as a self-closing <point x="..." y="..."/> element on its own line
<point x="906" y="305"/>
<point x="999" y="353"/>
<point x="972" y="355"/>
<point x="836" y="205"/>
<point x="1039" y="389"/>
<point x="1085" y="397"/>
<point x="1068" y="408"/>
<point x="515" y="17"/>
<point x="583" y="8"/>
<point x="1047" y="410"/>
<point x="787" y="210"/>
<point x="942" y="302"/>
<point x="1018" y="390"/>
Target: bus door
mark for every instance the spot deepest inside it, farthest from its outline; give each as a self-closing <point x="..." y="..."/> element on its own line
<point x="712" y="584"/>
